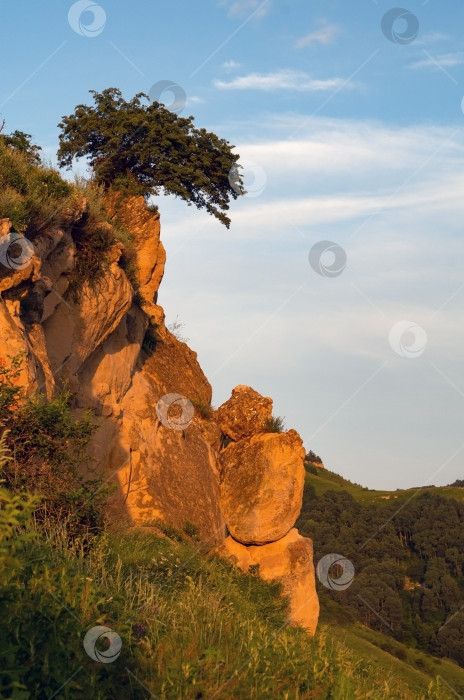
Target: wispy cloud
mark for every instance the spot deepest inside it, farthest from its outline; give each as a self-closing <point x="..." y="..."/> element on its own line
<point x="282" y="80"/>
<point x="444" y="60"/>
<point x="243" y="8"/>
<point x="231" y="65"/>
<point x="431" y="38"/>
<point x="325" y="35"/>
<point x="195" y="100"/>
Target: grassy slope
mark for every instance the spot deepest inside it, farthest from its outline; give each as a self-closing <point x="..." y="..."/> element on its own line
<point x="192" y="627"/>
<point x="218" y="633"/>
<point x="409" y="668"/>
<point x="325" y="480"/>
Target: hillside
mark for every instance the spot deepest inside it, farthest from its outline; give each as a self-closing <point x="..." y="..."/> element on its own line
<point x="323" y="480"/>
<point x="190" y="626"/>
<point x="406" y="547"/>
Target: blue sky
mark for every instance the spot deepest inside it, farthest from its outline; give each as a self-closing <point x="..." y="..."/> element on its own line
<point x="347" y="135"/>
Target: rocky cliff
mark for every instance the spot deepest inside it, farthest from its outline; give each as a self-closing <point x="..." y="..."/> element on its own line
<point x="170" y="455"/>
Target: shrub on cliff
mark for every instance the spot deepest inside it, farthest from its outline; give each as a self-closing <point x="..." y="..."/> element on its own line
<point x="144" y="149"/>
<point x="48" y="445"/>
<point x="32" y="195"/>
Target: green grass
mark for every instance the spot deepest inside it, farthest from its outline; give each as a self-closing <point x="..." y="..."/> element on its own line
<point x="323" y="480"/>
<point x="192" y="626"/>
<point x="412" y="668"/>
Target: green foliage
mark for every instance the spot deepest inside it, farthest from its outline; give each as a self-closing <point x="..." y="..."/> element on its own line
<point x="204" y="410"/>
<point x="191" y="627"/>
<point x="190" y="529"/>
<point x="20" y="141"/>
<point x="407" y="551"/>
<point x="313" y="457"/>
<point x="31" y="195"/>
<point x="275" y="424"/>
<point x="94" y="235"/>
<point x="145" y="149"/>
<point x="48" y="447"/>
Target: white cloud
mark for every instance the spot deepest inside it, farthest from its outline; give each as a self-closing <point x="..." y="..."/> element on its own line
<point x="231" y="65"/>
<point x="246" y="8"/>
<point x="325" y="35"/>
<point x="431" y="38"/>
<point x="195" y="100"/>
<point x="311" y="342"/>
<point x="444" y="60"/>
<point x="282" y="80"/>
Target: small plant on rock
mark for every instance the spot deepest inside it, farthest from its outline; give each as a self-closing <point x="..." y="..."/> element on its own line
<point x="275" y="424"/>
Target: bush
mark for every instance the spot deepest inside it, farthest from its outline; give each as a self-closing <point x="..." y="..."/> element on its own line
<point x="190" y="529"/>
<point x="95" y="234"/>
<point x="275" y="424"/>
<point x="205" y="410"/>
<point x="32" y="195"/>
<point x="48" y="447"/>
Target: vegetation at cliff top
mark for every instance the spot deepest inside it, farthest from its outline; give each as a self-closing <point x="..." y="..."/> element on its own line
<point x="32" y="195"/>
<point x="145" y="149"/>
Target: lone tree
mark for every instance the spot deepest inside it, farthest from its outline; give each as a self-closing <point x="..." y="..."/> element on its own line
<point x="145" y="148"/>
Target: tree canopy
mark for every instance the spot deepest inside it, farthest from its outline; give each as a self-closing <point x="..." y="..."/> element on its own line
<point x="146" y="149"/>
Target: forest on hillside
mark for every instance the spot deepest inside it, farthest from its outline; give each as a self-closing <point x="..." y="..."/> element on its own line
<point x="408" y="559"/>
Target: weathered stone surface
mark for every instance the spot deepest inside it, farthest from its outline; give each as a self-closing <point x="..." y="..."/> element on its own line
<point x="160" y="472"/>
<point x="150" y="258"/>
<point x="245" y="414"/>
<point x="77" y="328"/>
<point x="262" y="481"/>
<point x="290" y="561"/>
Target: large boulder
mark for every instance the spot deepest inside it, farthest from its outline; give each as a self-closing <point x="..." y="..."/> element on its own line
<point x="290" y="561"/>
<point x="262" y="481"/>
<point x="246" y="413"/>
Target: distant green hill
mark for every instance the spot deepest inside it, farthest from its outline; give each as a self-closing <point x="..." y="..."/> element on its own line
<point x="407" y="547"/>
<point x="322" y="480"/>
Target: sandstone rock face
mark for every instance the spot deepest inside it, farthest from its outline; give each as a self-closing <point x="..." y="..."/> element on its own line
<point x="144" y="226"/>
<point x="244" y="414"/>
<point x="262" y="481"/>
<point x="290" y="561"/>
<point x="94" y="343"/>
